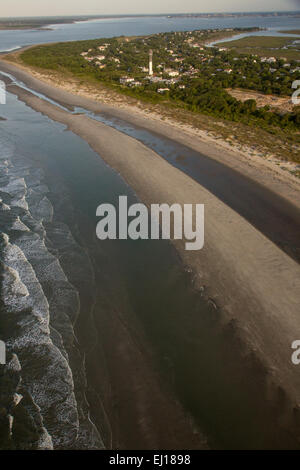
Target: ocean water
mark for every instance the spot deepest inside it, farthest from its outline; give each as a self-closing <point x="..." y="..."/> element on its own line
<point x="78" y="303"/>
<point x="132" y="296"/>
<point x="200" y="168"/>
<point x="39" y="307"/>
<point x="10" y="40"/>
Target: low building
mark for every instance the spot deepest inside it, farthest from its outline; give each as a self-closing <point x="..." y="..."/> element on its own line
<point x="171" y="81"/>
<point x="126" y="80"/>
<point x="135" y="83"/>
<point x="269" y="60"/>
<point x="173" y="73"/>
<point x="154" y="79"/>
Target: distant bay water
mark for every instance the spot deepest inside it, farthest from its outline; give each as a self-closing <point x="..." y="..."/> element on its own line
<point x="130" y="26"/>
<point x="120" y="281"/>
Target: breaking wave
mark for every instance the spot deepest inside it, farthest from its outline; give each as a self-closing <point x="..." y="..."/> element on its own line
<point x="39" y="307"/>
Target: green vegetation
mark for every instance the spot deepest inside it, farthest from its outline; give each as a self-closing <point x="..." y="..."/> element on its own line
<point x="275" y="46"/>
<point x="268" y="42"/>
<point x="187" y="74"/>
<point x="34" y="23"/>
<point x="291" y="31"/>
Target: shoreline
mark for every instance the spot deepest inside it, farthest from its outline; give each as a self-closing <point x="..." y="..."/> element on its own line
<point x="262" y="167"/>
<point x="45" y="26"/>
<point x="153" y="177"/>
<point x="251" y="281"/>
<point x="276" y="195"/>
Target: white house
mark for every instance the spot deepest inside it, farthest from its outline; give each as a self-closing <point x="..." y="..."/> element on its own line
<point x="173" y="73"/>
<point x="135" y="83"/>
<point x="126" y="80"/>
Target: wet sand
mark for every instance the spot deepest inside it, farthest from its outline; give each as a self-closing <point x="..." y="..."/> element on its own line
<point x="265" y="196"/>
<point x="252" y="282"/>
<point x="257" y="168"/>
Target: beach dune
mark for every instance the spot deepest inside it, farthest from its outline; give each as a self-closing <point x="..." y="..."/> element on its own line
<point x="253" y="283"/>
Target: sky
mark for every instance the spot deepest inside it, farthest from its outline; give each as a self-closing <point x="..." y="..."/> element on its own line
<point x="95" y="7"/>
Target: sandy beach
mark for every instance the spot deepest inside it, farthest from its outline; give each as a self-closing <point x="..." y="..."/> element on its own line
<point x="260" y="166"/>
<point x="248" y="278"/>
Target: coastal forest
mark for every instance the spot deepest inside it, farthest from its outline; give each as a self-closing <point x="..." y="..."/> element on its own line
<point x="189" y="71"/>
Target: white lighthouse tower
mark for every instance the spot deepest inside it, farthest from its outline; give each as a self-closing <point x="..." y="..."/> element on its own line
<point x="150" y="62"/>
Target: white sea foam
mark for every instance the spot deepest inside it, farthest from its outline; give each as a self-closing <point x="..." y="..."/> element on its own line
<point x="52" y="388"/>
<point x="10" y="49"/>
<point x="45" y="441"/>
<point x="19" y="225"/>
<point x="30" y="270"/>
<point x="13" y="289"/>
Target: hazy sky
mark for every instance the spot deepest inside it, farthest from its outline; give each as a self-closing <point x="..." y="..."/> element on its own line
<point x="90" y="7"/>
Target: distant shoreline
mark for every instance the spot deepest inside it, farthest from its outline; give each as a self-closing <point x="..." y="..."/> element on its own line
<point x="242" y="271"/>
<point x="23" y="28"/>
<point x="41" y="23"/>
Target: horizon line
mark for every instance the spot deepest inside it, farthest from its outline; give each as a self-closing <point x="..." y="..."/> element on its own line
<point x="97" y="15"/>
